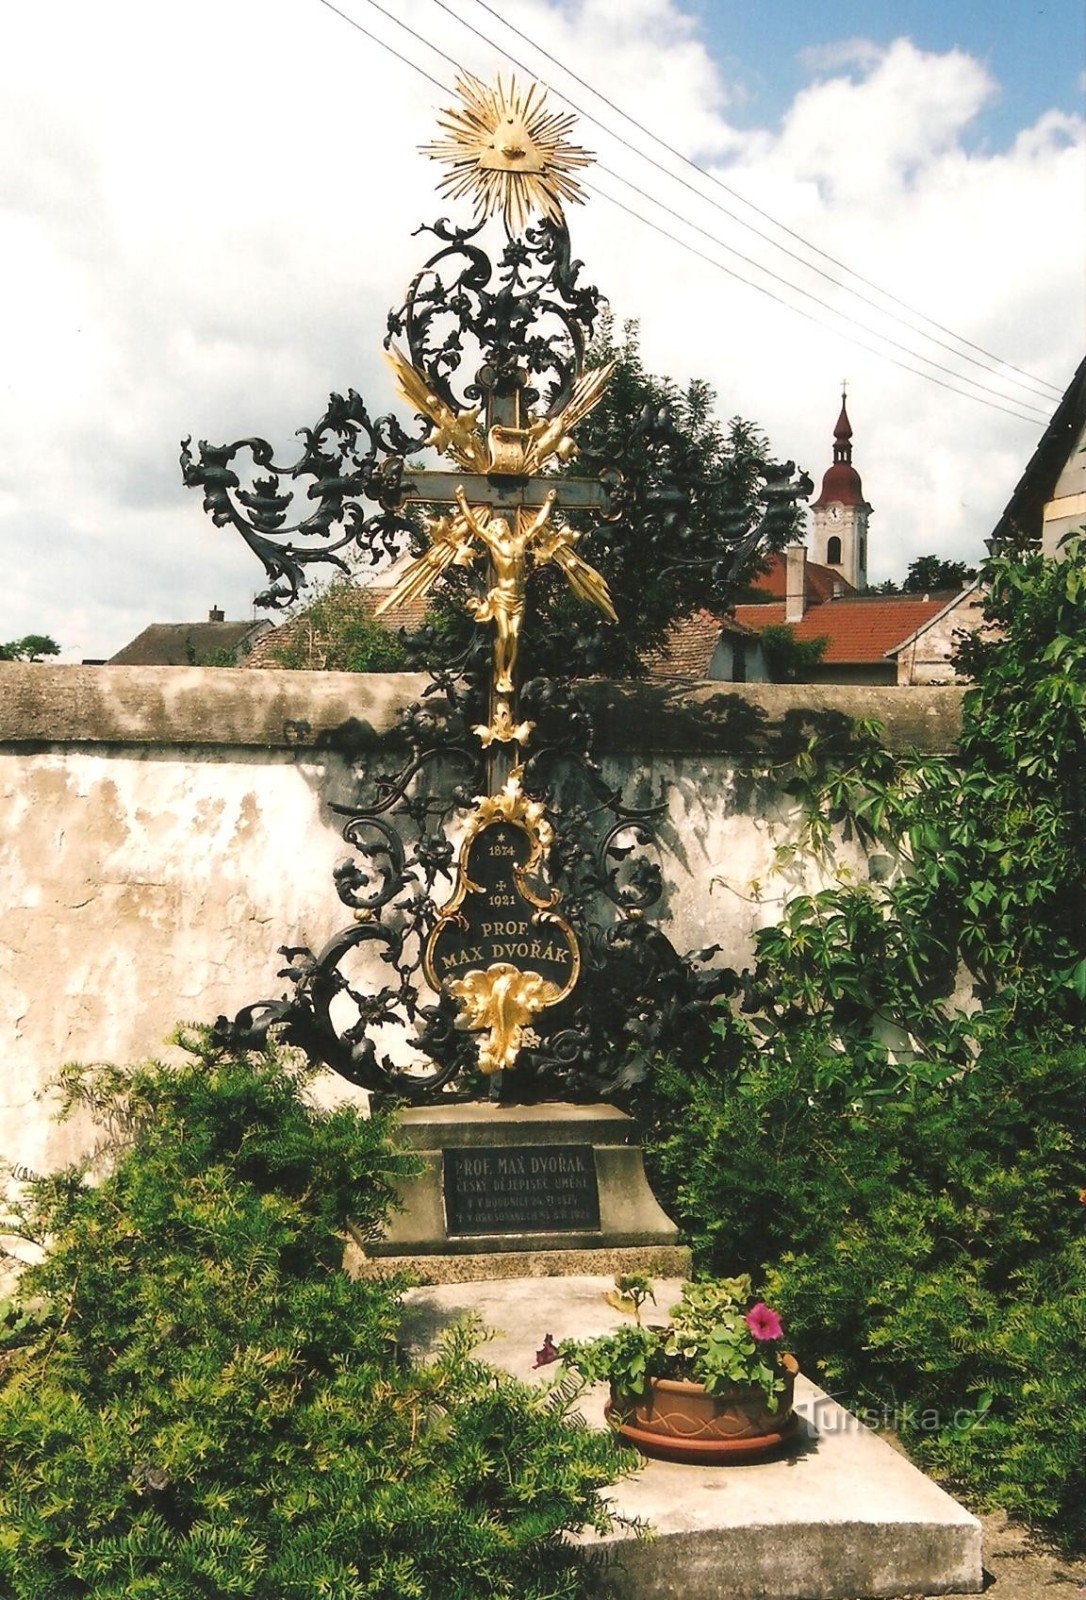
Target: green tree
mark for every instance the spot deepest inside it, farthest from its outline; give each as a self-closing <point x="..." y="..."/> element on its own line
<point x="929" y="574"/>
<point x="788" y="659"/>
<point x="337" y="632"/>
<point x="31" y="648"/>
<point x="196" y="1401"/>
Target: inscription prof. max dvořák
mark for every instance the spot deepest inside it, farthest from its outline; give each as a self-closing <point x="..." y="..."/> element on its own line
<point x="521" y="1189"/>
<point x="498" y="946"/>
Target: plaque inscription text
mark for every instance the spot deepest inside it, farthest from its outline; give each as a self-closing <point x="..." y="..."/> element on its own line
<point x="521" y="1189"/>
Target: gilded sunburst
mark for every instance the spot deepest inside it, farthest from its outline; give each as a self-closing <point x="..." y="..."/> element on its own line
<point x="508" y="152"/>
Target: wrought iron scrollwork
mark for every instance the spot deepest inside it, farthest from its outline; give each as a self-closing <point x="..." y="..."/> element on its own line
<point x="600" y="1042"/>
<point x="366" y="978"/>
<point x="528" y="315"/>
<point x="349" y="458"/>
<point x="509" y="338"/>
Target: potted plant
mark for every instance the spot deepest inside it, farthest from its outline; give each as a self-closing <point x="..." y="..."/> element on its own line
<point x="712" y="1385"/>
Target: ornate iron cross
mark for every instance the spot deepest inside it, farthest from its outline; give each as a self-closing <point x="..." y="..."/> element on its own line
<point x="503" y="505"/>
<point x="495" y="366"/>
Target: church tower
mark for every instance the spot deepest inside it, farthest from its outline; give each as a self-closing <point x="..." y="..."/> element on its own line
<point x="840" y="514"/>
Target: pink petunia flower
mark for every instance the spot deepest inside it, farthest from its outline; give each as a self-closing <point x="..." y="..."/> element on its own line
<point x="763" y="1323"/>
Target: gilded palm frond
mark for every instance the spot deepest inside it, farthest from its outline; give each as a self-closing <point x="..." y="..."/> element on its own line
<point x="456" y="434"/>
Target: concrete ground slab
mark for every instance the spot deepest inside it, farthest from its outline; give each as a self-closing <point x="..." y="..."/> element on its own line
<point x="841" y="1515"/>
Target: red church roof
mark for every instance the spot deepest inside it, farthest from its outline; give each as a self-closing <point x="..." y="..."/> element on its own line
<point x="841" y="482"/>
<point x="822" y="582"/>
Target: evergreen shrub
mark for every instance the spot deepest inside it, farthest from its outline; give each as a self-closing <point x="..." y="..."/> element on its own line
<point x="196" y="1401"/>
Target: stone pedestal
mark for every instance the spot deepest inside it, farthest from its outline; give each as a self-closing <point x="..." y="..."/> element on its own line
<point x="524" y="1191"/>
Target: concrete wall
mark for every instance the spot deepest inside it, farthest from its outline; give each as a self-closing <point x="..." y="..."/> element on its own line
<point x="165" y="829"/>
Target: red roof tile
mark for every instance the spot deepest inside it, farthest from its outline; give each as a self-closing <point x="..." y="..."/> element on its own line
<point x="858" y="629"/>
<point x="821" y="581"/>
<point x="689" y="647"/>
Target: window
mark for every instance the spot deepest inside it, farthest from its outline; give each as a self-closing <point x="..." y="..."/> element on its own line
<point x="833" y="551"/>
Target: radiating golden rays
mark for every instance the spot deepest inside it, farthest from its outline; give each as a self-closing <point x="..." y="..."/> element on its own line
<point x="508" y="152"/>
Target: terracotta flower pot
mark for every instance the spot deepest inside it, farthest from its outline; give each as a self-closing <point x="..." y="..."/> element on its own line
<point x="682" y="1422"/>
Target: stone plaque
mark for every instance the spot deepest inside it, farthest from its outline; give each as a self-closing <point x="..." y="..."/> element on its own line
<point x="495" y="920"/>
<point x="542" y="1188"/>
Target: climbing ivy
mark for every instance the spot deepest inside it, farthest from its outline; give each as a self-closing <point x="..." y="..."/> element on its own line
<point x="979" y="928"/>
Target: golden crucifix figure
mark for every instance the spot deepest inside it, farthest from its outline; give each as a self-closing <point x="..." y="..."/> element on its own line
<point x="530" y="538"/>
<point x="514" y="539"/>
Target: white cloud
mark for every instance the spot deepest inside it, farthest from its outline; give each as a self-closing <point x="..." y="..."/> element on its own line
<point x="839" y="55"/>
<point x="203" y="226"/>
<point x="902" y="113"/>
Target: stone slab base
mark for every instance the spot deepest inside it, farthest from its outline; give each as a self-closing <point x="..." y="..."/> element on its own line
<point x="661" y="1261"/>
<point x="629" y="1214"/>
<point x="843" y="1514"/>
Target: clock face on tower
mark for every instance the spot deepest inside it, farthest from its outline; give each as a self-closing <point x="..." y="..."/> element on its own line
<point x="835" y="513"/>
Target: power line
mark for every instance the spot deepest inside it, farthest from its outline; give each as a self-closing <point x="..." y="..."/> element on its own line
<point x="657" y="228"/>
<point x="798" y="310"/>
<point x="642" y="155"/>
<point x="767" y="216"/>
<point x="825" y="304"/>
<point x="390" y="48"/>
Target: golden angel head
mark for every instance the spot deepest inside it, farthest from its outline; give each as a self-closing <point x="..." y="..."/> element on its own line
<point x="508" y="152"/>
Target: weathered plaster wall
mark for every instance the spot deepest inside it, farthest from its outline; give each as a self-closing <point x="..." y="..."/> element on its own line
<point x="164" y="830"/>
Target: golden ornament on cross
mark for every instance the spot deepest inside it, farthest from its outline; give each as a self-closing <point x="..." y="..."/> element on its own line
<point x="508" y="152"/>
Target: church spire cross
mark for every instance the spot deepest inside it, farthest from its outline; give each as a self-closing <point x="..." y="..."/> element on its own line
<point x="842" y="433"/>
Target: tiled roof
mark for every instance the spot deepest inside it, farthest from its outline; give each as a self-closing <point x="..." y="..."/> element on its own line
<point x="822" y="582"/>
<point x="858" y="629"/>
<point x="971" y="596"/>
<point x="690" y="644"/>
<point x="408" y="616"/>
<point x="185" y="644"/>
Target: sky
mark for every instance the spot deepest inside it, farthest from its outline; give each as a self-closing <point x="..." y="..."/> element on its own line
<point x="206" y="213"/>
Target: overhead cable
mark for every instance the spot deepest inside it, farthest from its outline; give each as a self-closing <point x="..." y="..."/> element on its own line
<point x="808" y="244"/>
<point x="799" y="311"/>
<point x="683" y="244"/>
